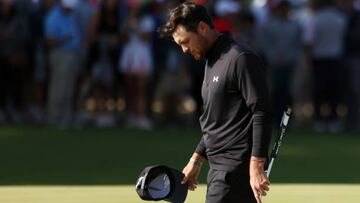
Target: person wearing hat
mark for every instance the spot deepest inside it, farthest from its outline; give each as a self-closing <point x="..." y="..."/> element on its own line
<point x="237" y="111"/>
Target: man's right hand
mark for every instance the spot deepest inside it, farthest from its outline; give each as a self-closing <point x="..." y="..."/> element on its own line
<point x="192" y="171"/>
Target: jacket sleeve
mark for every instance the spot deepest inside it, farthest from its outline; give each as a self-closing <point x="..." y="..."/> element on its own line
<point x="253" y="86"/>
<point x="201" y="148"/>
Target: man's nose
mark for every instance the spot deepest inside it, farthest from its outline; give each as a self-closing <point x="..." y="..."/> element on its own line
<point x="185" y="49"/>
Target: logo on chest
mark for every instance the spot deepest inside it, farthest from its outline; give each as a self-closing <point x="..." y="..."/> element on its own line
<point x="215" y="79"/>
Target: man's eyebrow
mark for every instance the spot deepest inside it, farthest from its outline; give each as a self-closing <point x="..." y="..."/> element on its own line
<point x="183" y="40"/>
<point x="178" y="42"/>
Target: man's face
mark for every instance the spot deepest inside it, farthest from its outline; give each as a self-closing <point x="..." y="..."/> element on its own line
<point x="191" y="42"/>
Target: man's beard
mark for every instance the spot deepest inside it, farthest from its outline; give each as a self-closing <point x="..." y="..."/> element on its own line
<point x="197" y="55"/>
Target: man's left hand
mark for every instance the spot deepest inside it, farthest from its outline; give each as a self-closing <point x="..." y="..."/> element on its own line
<point x="258" y="180"/>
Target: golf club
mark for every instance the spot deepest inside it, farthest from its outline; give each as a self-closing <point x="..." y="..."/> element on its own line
<point x="278" y="140"/>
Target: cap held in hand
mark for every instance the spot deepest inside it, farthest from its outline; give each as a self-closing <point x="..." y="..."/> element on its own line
<point x="160" y="182"/>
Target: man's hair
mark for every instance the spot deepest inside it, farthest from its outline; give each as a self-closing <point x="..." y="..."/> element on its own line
<point x="187" y="14"/>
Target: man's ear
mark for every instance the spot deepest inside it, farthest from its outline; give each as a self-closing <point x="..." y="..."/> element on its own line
<point x="202" y="28"/>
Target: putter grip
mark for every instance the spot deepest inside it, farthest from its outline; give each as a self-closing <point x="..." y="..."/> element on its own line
<point x="286" y="116"/>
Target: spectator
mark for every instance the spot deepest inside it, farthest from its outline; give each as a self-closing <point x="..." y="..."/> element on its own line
<point x="63" y="38"/>
<point x="136" y="63"/>
<point x="160" y="50"/>
<point x="324" y="39"/>
<point x="247" y="29"/>
<point x="106" y="42"/>
<point x="281" y="45"/>
<point x="171" y="85"/>
<point x="12" y="62"/>
<point x="40" y="59"/>
<point x="86" y="13"/>
<point x="352" y="56"/>
<point x="225" y="12"/>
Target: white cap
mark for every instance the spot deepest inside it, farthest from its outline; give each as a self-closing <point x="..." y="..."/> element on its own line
<point x="224" y="7"/>
<point x="71" y="4"/>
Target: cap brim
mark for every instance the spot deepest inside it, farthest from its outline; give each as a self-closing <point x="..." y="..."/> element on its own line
<point x="180" y="190"/>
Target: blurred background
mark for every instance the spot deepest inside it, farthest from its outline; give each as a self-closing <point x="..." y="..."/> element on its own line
<point x="76" y="63"/>
<point x="90" y="95"/>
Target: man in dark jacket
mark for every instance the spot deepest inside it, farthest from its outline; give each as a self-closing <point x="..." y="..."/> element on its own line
<point x="237" y="115"/>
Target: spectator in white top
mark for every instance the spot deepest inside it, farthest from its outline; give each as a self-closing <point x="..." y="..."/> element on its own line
<point x="136" y="63"/>
<point x="324" y="38"/>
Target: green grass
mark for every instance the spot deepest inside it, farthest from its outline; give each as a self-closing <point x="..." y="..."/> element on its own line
<point x="280" y="193"/>
<point x="92" y="156"/>
<point x="41" y="165"/>
<point x="42" y="156"/>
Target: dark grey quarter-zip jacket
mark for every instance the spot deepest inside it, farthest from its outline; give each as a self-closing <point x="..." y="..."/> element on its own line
<point x="237" y="118"/>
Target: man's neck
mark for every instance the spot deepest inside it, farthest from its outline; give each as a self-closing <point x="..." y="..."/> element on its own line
<point x="213" y="36"/>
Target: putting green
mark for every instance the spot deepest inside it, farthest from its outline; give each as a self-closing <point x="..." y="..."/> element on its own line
<point x="280" y="193"/>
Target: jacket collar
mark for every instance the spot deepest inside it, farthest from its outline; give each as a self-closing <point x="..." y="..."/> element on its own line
<point x="221" y="44"/>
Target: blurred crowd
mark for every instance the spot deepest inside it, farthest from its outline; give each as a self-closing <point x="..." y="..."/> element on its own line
<point x="72" y="63"/>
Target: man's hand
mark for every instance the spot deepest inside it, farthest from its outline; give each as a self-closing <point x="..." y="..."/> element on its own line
<point x="192" y="171"/>
<point x="258" y="180"/>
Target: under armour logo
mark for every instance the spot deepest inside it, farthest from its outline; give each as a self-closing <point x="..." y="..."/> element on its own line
<point x="216" y="79"/>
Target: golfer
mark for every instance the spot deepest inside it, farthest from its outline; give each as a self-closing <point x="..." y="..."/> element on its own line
<point x="237" y="115"/>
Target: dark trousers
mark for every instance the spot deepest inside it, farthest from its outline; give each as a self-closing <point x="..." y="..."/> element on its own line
<point x="11" y="84"/>
<point x="328" y="86"/>
<point x="281" y="90"/>
<point x="229" y="187"/>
